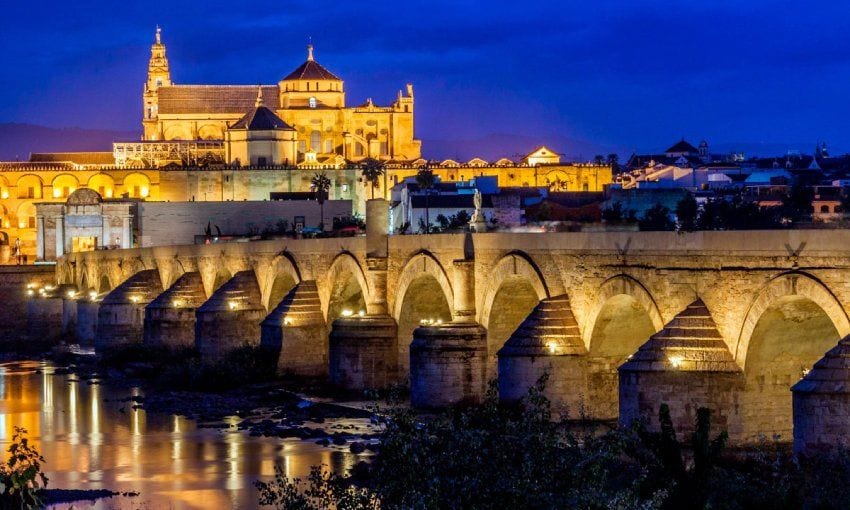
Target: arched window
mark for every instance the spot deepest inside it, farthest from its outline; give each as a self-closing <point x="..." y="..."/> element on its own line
<point x="312" y="102"/>
<point x="316" y="141"/>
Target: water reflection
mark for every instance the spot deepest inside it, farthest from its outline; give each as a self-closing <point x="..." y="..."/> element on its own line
<point x="92" y="440"/>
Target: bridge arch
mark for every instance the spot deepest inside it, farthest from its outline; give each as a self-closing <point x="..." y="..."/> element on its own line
<point x="622" y="319"/>
<point x="346" y="287"/>
<point x="792" y="322"/>
<point x="282" y="276"/>
<point x="795" y="283"/>
<point x="621" y="285"/>
<point x="423" y="292"/>
<point x="516" y="286"/>
<point x="418" y="266"/>
<point x="104" y="286"/>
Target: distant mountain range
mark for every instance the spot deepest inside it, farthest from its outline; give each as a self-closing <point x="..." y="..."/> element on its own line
<point x="17" y="141"/>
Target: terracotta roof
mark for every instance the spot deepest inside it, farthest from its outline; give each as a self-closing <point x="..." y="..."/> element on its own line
<point x="831" y="374"/>
<point x="261" y="119"/>
<point x="311" y="70"/>
<point x="235" y="99"/>
<point x="682" y="146"/>
<point x="689" y="342"/>
<point x="80" y="158"/>
<point x="550" y="330"/>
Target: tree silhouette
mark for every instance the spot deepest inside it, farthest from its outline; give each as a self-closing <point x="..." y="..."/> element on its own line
<point x="425" y="180"/>
<point x="371" y="169"/>
<point x="321" y="184"/>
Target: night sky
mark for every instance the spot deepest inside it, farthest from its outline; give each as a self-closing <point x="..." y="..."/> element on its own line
<point x="629" y="74"/>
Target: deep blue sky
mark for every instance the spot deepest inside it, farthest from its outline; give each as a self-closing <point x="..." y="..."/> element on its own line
<point x="631" y="74"/>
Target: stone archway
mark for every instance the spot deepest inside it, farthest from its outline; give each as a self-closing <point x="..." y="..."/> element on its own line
<point x="793" y="321"/>
<point x="516" y="287"/>
<point x="424" y="293"/>
<point x="623" y="319"/>
<point x="282" y="275"/>
<point x="104" y="286"/>
<point x="790" y="284"/>
<point x="616" y="286"/>
<point x="345" y="287"/>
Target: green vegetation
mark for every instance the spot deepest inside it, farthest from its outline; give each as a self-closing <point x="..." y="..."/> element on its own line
<point x="22" y="482"/>
<point x="495" y="457"/>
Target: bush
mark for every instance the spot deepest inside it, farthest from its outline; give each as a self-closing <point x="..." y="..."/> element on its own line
<point x="21" y="480"/>
<point x="491" y="456"/>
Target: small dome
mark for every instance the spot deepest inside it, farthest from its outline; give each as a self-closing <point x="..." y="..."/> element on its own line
<point x="261" y="119"/>
<point x="311" y="70"/>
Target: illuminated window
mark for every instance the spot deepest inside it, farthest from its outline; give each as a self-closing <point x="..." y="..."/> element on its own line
<point x="312" y="102"/>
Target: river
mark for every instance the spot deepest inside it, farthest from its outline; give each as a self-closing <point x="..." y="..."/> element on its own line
<point x="92" y="438"/>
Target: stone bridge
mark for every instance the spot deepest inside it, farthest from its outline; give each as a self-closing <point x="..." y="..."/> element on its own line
<point x="621" y="321"/>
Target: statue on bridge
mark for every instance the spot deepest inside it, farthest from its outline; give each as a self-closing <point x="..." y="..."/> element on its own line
<point x="478" y="223"/>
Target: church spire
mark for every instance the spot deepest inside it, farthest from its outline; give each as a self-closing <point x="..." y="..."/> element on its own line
<point x="259" y="101"/>
<point x="159" y="74"/>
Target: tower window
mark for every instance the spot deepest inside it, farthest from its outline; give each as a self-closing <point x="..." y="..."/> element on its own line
<point x="312" y="102"/>
<point x="159" y="82"/>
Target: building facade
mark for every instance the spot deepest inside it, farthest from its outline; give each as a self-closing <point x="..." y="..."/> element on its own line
<point x="311" y="99"/>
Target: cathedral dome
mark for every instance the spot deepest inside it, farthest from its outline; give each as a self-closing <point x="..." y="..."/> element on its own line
<point x="311" y="70"/>
<point x="261" y="118"/>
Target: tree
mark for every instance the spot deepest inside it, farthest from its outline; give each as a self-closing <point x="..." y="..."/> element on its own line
<point x="614" y="162"/>
<point x="599" y="159"/>
<point x="371" y="169"/>
<point x="321" y="184"/>
<point x="686" y="213"/>
<point x="615" y="213"/>
<point x="657" y="218"/>
<point x="797" y="205"/>
<point x="425" y="179"/>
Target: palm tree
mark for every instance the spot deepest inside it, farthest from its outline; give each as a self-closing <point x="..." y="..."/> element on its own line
<point x="614" y="162"/>
<point x="371" y="169"/>
<point x="321" y="184"/>
<point x="425" y="180"/>
<point x="599" y="159"/>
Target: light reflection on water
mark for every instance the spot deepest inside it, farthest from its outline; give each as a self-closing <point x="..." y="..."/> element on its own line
<point x="91" y="440"/>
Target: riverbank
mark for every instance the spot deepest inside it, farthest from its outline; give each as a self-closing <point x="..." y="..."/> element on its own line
<point x="241" y="391"/>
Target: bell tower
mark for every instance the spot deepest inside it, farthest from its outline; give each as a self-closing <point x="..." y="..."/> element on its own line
<point x="159" y="75"/>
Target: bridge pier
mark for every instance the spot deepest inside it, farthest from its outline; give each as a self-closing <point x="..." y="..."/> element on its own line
<point x="47" y="311"/>
<point x="363" y="352"/>
<point x="69" y="314"/>
<point x="170" y="318"/>
<point x="686" y="365"/>
<point x="822" y="404"/>
<point x="448" y="364"/>
<point x="44" y="315"/>
<point x="120" y="317"/>
<point x="547" y="343"/>
<point x="296" y="329"/>
<point x="230" y="318"/>
<point x="85" y="326"/>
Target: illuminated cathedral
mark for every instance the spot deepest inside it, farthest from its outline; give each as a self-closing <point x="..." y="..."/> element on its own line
<point x="310" y="102"/>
